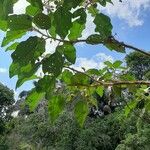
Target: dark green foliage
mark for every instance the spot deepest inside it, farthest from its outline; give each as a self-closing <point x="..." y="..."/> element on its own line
<point x="6" y="100"/>
<point x="37" y="132"/>
<point x="139" y="65"/>
<point x="42" y="21"/>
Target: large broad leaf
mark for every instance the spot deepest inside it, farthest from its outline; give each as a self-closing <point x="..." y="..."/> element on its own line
<point x="80" y="16"/>
<point x="109" y="64"/>
<point x="32" y="11"/>
<point x="103" y="2"/>
<point x="100" y="91"/>
<point x="36" y="3"/>
<point x="56" y="106"/>
<point x="66" y="76"/>
<point x="94" y="39"/>
<point x="117" y="91"/>
<point x="12" y="47"/>
<point x="80" y="79"/>
<point x="3" y="25"/>
<point x="117" y="64"/>
<point x="114" y="45"/>
<point x="78" y="25"/>
<point x="12" y="35"/>
<point x="52" y="30"/>
<point x="131" y="105"/>
<point x="69" y="52"/>
<point x="93" y="10"/>
<point x="81" y="111"/>
<point x="27" y="73"/>
<point x="103" y="25"/>
<point x="29" y="51"/>
<point x="6" y="8"/>
<point x="93" y="72"/>
<point x="68" y="4"/>
<point x="53" y="64"/>
<point x="76" y="31"/>
<point x="34" y="98"/>
<point x="23" y="79"/>
<point x="62" y="21"/>
<point x="19" y="22"/>
<point x="46" y="84"/>
<point x="42" y="21"/>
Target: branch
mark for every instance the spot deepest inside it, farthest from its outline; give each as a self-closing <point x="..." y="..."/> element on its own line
<point x="110" y="39"/>
<point x="112" y="83"/>
<point x="134" y="48"/>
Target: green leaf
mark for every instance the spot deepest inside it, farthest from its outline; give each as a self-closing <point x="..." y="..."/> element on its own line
<point x="46" y="84"/>
<point x="11" y="36"/>
<point x="109" y="64"/>
<point x="114" y="45"/>
<point x="62" y="21"/>
<point x="127" y="77"/>
<point x="93" y="10"/>
<point x="53" y="64"/>
<point x="81" y="15"/>
<point x="52" y="30"/>
<point x="36" y="3"/>
<point x="117" y="90"/>
<point x="66" y="76"/>
<point x="34" y="98"/>
<point x="80" y="79"/>
<point x="20" y="22"/>
<point x="13" y="46"/>
<point x="29" y="51"/>
<point x="93" y="72"/>
<point x="76" y="31"/>
<point x="68" y="4"/>
<point x="27" y="73"/>
<point x="81" y="111"/>
<point x="100" y="91"/>
<point x="6" y="8"/>
<point x="69" y="52"/>
<point x="103" y="25"/>
<point x="42" y="21"/>
<point x="131" y="105"/>
<point x="147" y="107"/>
<point x="14" y="69"/>
<point x="104" y="2"/>
<point x="32" y="11"/>
<point x="3" y="25"/>
<point x="117" y="64"/>
<point x="23" y="79"/>
<point x="107" y="76"/>
<point x="56" y="106"/>
<point x="94" y="39"/>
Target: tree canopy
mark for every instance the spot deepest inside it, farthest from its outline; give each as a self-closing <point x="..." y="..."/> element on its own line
<point x="64" y="21"/>
<point x="139" y="65"/>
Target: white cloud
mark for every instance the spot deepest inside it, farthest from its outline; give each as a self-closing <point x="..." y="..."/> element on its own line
<point x="97" y="61"/>
<point x="3" y="70"/>
<point x="20" y="6"/>
<point x="128" y="10"/>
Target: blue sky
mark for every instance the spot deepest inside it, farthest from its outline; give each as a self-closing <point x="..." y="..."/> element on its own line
<point x="131" y="22"/>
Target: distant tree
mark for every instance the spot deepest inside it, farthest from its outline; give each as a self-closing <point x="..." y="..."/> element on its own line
<point x="6" y="100"/>
<point x="139" y="65"/>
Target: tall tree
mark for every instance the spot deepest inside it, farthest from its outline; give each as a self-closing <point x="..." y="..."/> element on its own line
<point x="139" y="65"/>
<point x="6" y="100"/>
